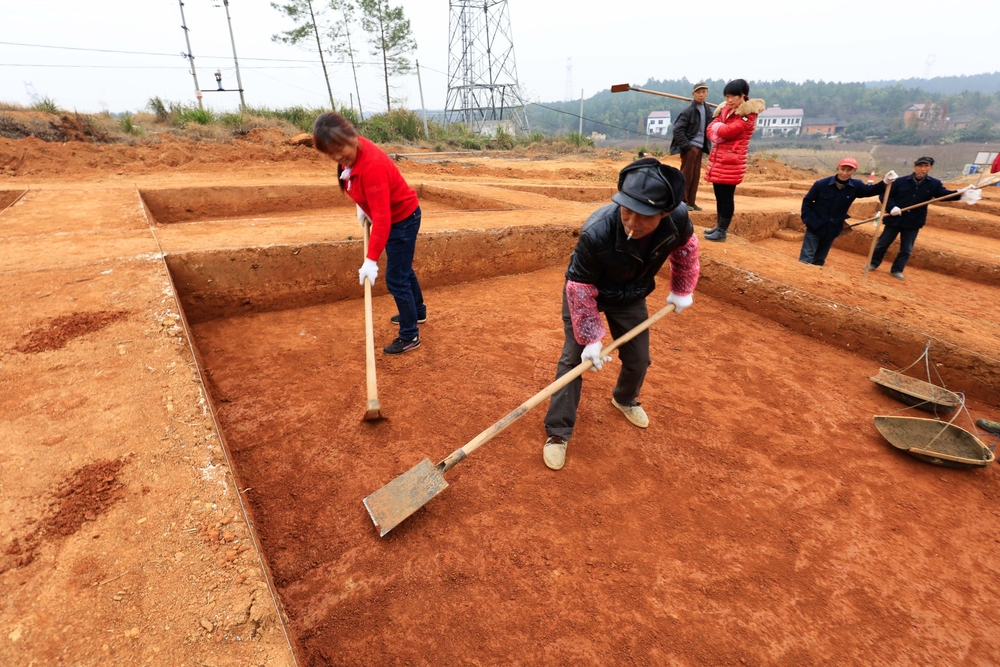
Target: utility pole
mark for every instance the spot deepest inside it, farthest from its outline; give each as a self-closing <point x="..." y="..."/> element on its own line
<point x="581" y="112"/>
<point x="232" y="40"/>
<point x="190" y="56"/>
<point x="423" y="108"/>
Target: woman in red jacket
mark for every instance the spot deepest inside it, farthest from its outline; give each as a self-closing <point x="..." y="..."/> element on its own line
<point x="373" y="181"/>
<point x="730" y="132"/>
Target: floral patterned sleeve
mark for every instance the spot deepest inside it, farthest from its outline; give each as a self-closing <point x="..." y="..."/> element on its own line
<point x="588" y="327"/>
<point x="684" y="268"/>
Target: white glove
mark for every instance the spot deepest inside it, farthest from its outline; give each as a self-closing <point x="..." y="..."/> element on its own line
<point x="368" y="270"/>
<point x="680" y="302"/>
<point x="890" y="176"/>
<point x="362" y="217"/>
<point x="970" y="197"/>
<point x="895" y="211"/>
<point x="593" y="352"/>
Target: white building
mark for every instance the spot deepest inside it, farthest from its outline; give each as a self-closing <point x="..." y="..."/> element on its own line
<point x="658" y="122"/>
<point x="777" y="120"/>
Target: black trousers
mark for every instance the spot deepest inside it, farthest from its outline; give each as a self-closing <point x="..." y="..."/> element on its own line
<point x="907" y="237"/>
<point x="724" y="203"/>
<point x="815" y="249"/>
<point x="634" y="356"/>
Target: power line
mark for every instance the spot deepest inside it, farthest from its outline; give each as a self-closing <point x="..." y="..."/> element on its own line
<point x="589" y="120"/>
<point x="142" y="66"/>
<point x="174" y="55"/>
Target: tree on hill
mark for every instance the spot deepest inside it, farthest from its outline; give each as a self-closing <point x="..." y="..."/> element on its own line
<point x="303" y="14"/>
<point x="390" y="37"/>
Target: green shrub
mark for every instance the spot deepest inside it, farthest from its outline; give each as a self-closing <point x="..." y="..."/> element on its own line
<point x="194" y="115"/>
<point x="46" y="104"/>
<point x="395" y="125"/>
<point x="231" y="119"/>
<point x="127" y="126"/>
<point x="299" y="116"/>
<point x="156" y="106"/>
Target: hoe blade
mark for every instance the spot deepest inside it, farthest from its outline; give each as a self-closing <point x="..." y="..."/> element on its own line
<point x="620" y="88"/>
<point x="403" y="496"/>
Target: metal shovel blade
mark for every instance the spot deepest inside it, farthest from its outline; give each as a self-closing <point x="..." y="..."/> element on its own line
<point x="390" y="505"/>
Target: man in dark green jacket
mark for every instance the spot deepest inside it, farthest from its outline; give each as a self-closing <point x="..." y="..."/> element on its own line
<point x="691" y="141"/>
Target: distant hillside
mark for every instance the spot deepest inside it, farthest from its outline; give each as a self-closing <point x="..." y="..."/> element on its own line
<point x="948" y="85"/>
<point x="868" y="109"/>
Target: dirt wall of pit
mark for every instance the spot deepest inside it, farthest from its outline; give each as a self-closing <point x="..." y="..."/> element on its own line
<point x="848" y="328"/>
<point x="8" y="197"/>
<point x="175" y="205"/>
<point x="225" y="283"/>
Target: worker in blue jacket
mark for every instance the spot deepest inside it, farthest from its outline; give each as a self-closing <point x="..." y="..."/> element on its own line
<point x="916" y="188"/>
<point x="824" y="208"/>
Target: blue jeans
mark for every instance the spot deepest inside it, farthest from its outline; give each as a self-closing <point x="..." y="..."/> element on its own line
<point x="399" y="276"/>
<point x="907" y="237"/>
<point x="815" y="249"/>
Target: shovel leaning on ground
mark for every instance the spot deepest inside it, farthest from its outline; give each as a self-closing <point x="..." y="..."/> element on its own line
<point x="373" y="410"/>
<point x="403" y="496"/>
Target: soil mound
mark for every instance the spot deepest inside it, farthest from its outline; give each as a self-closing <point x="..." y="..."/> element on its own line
<point x="61" y="330"/>
<point x="84" y="495"/>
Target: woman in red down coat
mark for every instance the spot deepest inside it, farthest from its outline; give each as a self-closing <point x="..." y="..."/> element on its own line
<point x="730" y="132"/>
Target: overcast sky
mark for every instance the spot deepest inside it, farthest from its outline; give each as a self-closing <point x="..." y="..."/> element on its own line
<point x="609" y="42"/>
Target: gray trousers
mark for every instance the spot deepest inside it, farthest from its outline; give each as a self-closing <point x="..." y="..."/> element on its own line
<point x="634" y="356"/>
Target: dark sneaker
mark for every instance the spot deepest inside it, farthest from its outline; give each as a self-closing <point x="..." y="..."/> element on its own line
<point x="420" y="319"/>
<point x="401" y="345"/>
<point x="694" y="207"/>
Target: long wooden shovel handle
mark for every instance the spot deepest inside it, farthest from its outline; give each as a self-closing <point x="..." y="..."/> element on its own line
<point x="373" y="410"/>
<point x="988" y="181"/>
<point x="878" y="221"/>
<point x="487" y="435"/>
<point x="623" y="87"/>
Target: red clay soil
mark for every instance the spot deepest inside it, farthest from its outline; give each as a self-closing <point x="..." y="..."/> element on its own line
<point x="760" y="519"/>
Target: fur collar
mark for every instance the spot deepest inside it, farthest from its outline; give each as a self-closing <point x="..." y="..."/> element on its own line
<point x="748" y="107"/>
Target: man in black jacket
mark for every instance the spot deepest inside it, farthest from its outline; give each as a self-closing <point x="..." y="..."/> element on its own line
<point x="691" y="141"/>
<point x="825" y="206"/>
<point x="916" y="188"/>
<point x="613" y="268"/>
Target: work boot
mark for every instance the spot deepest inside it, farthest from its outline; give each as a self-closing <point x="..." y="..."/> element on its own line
<point x="713" y="229"/>
<point x="720" y="232"/>
<point x="633" y="413"/>
<point x="554" y="452"/>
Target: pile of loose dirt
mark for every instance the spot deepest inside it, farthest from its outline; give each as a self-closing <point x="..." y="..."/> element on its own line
<point x="87" y="493"/>
<point x="57" y="332"/>
<point x="766" y="169"/>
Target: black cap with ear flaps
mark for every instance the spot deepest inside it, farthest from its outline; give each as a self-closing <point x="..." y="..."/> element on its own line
<point x="648" y="187"/>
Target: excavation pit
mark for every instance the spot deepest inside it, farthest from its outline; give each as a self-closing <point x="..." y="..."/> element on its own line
<point x="655" y="532"/>
<point x="8" y="197"/>
<point x="234" y="203"/>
